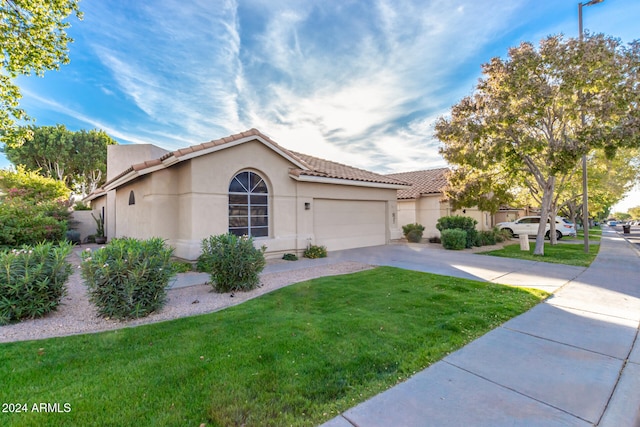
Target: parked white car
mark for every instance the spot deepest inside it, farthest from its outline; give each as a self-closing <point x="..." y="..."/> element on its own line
<point x="529" y="225"/>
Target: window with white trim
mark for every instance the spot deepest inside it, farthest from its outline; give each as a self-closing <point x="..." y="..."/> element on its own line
<point x="248" y="205"/>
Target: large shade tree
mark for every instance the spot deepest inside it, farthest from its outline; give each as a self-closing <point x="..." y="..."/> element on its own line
<point x="535" y="113"/>
<point x="610" y="178"/>
<point x="33" y="39"/>
<point x="76" y="158"/>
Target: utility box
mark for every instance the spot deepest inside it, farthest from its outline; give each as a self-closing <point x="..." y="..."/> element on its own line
<point x="524" y="242"/>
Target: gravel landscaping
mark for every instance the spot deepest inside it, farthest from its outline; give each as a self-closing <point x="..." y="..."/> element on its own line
<point x="76" y="315"/>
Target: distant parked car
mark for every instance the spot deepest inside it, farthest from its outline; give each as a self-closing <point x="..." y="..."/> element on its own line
<point x="612" y="223"/>
<point x="529" y="225"/>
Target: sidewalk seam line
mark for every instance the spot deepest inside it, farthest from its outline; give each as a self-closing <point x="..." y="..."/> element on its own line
<point x="615" y="386"/>
<point x="518" y="392"/>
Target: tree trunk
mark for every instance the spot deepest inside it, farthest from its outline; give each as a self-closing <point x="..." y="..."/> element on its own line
<point x="547" y="197"/>
<point x="552" y="225"/>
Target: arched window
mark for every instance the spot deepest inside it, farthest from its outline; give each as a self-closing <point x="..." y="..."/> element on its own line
<point x="248" y="205"/>
<point x="132" y="198"/>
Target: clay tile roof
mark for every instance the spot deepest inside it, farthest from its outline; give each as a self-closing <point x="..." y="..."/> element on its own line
<point x="311" y="166"/>
<point x="430" y="181"/>
<point x="329" y="169"/>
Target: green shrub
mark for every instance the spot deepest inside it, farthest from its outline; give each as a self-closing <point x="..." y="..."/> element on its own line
<point x="485" y="237"/>
<point x="290" y="257"/>
<point x="181" y="266"/>
<point x="460" y="222"/>
<point x="24" y="222"/>
<point x="32" y="186"/>
<point x="128" y="278"/>
<point x="233" y="262"/>
<point x="79" y="206"/>
<point x="315" y="251"/>
<point x="33" y="280"/>
<point x="33" y="208"/>
<point x="413" y="232"/>
<point x="203" y="265"/>
<point x="490" y="237"/>
<point x="454" y="238"/>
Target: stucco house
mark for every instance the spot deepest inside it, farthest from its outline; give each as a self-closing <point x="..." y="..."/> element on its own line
<point x="424" y="202"/>
<point x="245" y="184"/>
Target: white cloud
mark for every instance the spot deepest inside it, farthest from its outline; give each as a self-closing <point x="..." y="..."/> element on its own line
<point x="358" y="82"/>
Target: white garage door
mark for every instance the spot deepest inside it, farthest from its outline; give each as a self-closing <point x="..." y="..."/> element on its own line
<point x="345" y="224"/>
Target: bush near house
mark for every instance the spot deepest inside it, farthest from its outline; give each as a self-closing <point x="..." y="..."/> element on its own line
<point x="290" y="257"/>
<point x="233" y="262"/>
<point x="490" y="237"/>
<point x="128" y="278"/>
<point x="315" y="251"/>
<point x="413" y="232"/>
<point x="460" y="222"/>
<point x="33" y="280"/>
<point x="454" y="238"/>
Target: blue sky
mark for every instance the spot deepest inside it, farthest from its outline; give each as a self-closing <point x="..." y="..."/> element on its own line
<point x="359" y="82"/>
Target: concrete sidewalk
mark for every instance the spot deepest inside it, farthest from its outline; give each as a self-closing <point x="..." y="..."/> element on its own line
<point x="571" y="361"/>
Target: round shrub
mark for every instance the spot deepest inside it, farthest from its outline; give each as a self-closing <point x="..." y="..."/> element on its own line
<point x="486" y="237"/>
<point x="413" y="232"/>
<point x="414" y="236"/>
<point x="233" y="262"/>
<point x="128" y="278"/>
<point x="33" y="280"/>
<point x="454" y="238"/>
<point x="290" y="257"/>
<point x="461" y="222"/>
<point x="315" y="251"/>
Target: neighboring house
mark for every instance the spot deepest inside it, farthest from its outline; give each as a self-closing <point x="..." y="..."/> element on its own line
<point x="424" y="201"/>
<point x="510" y="214"/>
<point x="245" y="184"/>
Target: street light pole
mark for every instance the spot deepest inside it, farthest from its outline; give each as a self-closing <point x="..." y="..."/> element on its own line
<point x="585" y="196"/>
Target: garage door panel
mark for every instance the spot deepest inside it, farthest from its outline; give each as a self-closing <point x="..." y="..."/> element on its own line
<point x="344" y="224"/>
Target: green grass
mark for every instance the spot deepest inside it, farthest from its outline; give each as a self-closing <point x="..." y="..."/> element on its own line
<point x="296" y="356"/>
<point x="563" y="253"/>
<point x="594" y="234"/>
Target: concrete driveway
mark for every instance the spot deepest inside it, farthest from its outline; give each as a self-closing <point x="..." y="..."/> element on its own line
<point x="506" y="271"/>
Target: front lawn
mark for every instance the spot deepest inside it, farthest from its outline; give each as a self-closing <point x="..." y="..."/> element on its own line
<point x="594" y="234"/>
<point x="297" y="356"/>
<point x="562" y="253"/>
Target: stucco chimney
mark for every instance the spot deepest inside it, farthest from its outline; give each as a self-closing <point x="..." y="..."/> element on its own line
<point x="121" y="157"/>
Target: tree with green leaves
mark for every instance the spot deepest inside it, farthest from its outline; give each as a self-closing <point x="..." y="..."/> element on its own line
<point x="609" y="180"/>
<point x="534" y="114"/>
<point x="33" y="39"/>
<point x="634" y="212"/>
<point x="78" y="159"/>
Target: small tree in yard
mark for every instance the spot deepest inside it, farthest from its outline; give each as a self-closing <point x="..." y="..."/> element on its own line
<point x="535" y="114"/>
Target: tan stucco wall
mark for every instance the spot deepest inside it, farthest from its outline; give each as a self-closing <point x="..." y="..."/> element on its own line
<point x="189" y="202"/>
<point x="121" y="157"/>
<point x="428" y="209"/>
<point x="98" y="206"/>
<point x="84" y="223"/>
